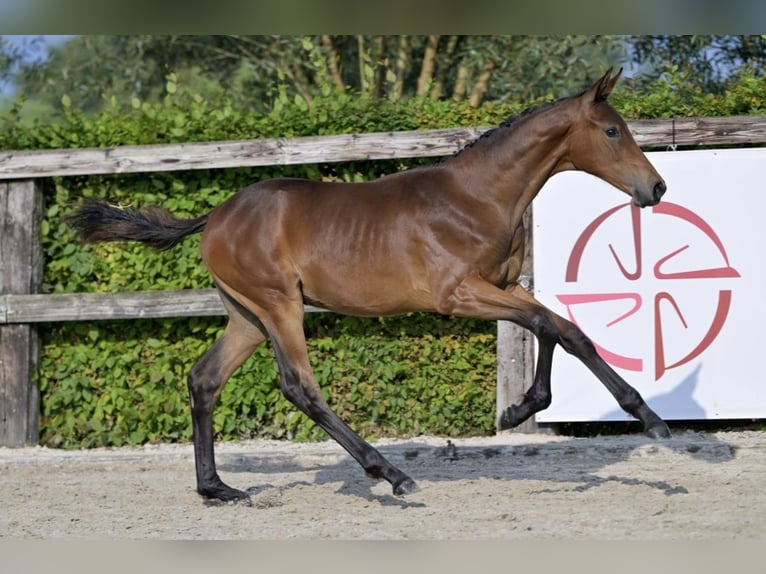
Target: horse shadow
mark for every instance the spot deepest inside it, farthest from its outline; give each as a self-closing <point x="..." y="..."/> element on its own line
<point x="521" y="457"/>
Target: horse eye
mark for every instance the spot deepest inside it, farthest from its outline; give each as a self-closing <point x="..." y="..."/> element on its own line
<point x="612" y="132"/>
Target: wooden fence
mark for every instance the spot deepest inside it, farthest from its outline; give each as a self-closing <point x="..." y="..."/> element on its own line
<point x="22" y="306"/>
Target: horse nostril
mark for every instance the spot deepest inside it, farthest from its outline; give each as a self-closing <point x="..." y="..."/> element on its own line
<point x="659" y="190"/>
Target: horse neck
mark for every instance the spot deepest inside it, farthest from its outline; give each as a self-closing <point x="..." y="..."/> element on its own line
<point x="509" y="169"/>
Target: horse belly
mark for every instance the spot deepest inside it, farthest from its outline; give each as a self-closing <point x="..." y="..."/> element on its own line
<point x="364" y="290"/>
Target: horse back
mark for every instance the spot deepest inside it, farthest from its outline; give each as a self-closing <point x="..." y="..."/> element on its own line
<point x="357" y="248"/>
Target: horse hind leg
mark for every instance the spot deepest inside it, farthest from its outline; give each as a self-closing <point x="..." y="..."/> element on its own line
<point x="205" y="382"/>
<point x="301" y="388"/>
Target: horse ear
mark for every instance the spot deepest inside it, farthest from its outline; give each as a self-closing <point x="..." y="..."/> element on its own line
<point x="603" y="87"/>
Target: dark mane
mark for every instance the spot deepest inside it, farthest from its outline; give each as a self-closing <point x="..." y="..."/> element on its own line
<point x="511" y="124"/>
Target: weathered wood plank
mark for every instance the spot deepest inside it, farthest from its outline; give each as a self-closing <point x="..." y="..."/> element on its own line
<point x="708" y="131"/>
<point x="20" y="272"/>
<point x="40" y="308"/>
<point x="228" y="154"/>
<point x="326" y="149"/>
<point x="20" y="251"/>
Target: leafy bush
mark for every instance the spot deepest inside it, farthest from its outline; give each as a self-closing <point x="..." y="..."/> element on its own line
<point x="124" y="382"/>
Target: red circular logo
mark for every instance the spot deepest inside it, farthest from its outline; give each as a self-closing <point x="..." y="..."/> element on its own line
<point x="663" y="272"/>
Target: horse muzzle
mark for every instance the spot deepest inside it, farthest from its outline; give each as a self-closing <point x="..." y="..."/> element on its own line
<point x="653" y="198"/>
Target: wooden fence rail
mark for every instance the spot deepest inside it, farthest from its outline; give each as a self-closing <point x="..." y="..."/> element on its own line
<point x="41" y="308"/>
<point x="22" y="306"/>
<point x="327" y="149"/>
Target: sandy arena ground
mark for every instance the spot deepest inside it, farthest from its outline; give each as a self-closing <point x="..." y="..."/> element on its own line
<point x="511" y="486"/>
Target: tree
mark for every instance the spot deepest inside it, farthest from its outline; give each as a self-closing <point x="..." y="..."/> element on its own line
<point x="476" y="67"/>
<point x="251" y="72"/>
<point x="246" y="70"/>
<point x="708" y="60"/>
<point x="23" y="50"/>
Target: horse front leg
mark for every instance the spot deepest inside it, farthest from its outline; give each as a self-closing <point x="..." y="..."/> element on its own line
<point x="474" y="297"/>
<point x="578" y="344"/>
<point x="538" y="396"/>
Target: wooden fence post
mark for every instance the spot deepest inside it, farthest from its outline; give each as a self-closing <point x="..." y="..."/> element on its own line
<point x="21" y="205"/>
<point x="515" y="348"/>
<point x="515" y="370"/>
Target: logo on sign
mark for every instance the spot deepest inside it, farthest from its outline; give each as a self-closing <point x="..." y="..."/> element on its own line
<point x="651" y="275"/>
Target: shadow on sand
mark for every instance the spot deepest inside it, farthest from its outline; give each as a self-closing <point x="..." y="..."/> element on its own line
<point x="565" y="463"/>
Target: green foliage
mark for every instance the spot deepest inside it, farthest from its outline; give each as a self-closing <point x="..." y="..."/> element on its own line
<point x="676" y="95"/>
<point x="245" y="68"/>
<point x="124" y="382"/>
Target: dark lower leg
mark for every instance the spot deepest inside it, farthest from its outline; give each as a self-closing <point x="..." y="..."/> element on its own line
<point x="627" y="397"/>
<point x="630" y="400"/>
<point x="374" y="464"/>
<point x="209" y="484"/>
<point x="205" y="383"/>
<point x="538" y="397"/>
<point x="304" y="393"/>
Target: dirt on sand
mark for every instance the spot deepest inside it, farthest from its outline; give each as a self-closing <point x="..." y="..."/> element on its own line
<point x="692" y="486"/>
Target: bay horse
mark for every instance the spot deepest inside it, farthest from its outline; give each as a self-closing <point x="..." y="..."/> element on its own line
<point x="446" y="238"/>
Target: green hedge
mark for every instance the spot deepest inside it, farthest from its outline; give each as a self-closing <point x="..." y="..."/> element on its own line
<point x="124" y="382"/>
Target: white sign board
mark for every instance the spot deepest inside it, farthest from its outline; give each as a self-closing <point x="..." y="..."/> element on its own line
<point x="673" y="296"/>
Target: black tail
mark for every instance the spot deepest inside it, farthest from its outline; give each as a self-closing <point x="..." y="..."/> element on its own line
<point x="98" y="221"/>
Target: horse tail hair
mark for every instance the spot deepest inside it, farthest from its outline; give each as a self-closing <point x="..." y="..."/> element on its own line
<point x="97" y="221"/>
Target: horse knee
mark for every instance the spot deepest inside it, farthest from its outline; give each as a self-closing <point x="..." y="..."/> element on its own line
<point x="544" y="328"/>
<point x="575" y="342"/>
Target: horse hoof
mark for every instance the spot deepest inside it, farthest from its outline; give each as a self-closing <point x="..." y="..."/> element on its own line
<point x="510" y="418"/>
<point x="658" y="430"/>
<point x="223" y="493"/>
<point x="407" y="486"/>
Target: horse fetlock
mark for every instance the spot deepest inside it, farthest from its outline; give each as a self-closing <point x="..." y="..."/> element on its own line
<point x="632" y="403"/>
<point x="374" y="471"/>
